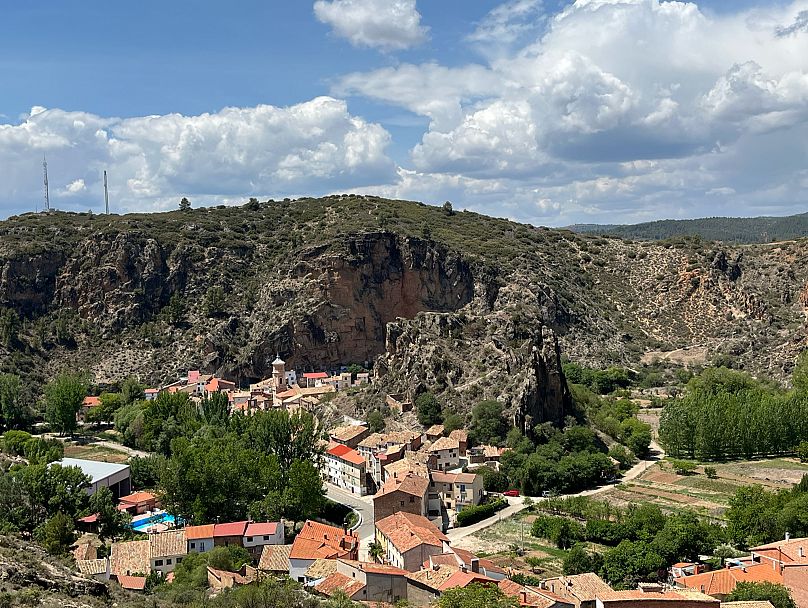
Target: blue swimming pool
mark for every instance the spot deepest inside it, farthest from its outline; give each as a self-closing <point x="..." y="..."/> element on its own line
<point x="140" y="525"/>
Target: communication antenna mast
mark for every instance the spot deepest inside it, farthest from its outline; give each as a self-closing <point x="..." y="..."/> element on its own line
<point x="106" y="193"/>
<point x="45" y="172"/>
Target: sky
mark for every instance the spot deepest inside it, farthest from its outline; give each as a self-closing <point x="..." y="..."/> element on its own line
<point x="545" y="111"/>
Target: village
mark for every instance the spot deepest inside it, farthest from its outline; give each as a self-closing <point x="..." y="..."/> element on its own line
<point x="406" y="490"/>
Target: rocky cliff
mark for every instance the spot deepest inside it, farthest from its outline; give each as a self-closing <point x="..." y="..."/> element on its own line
<point x="472" y="306"/>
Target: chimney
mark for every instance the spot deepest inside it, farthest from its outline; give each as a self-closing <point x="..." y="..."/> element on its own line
<point x="523" y="597"/>
<point x="801" y="552"/>
<point x="475" y="564"/>
<point x="463" y="569"/>
<point x="788" y="536"/>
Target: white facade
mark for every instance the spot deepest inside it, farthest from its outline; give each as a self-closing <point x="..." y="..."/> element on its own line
<point x="200" y="545"/>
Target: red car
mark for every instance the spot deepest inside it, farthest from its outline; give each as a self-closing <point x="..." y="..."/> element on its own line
<point x="511" y="493"/>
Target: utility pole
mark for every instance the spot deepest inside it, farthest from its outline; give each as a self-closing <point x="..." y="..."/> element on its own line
<point x="45" y="172"/>
<point x="106" y="193"/>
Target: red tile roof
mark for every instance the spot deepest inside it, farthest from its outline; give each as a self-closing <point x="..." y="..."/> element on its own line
<point x="407" y="531"/>
<point x="233" y="528"/>
<point x="316" y="540"/>
<point x="315" y="375"/>
<point x="199" y="532"/>
<point x="339" y="582"/>
<point x="464" y="579"/>
<point x="343" y="452"/>
<point x="723" y="582"/>
<point x="259" y="529"/>
<point x="409" y="484"/>
<point x="785" y="551"/>
<point x="137" y="498"/>
<point x="91" y="401"/>
<point x="134" y="583"/>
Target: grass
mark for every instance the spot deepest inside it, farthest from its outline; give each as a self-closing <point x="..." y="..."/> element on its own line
<point x="95" y="452"/>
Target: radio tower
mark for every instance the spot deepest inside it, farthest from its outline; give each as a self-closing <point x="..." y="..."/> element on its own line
<point x="106" y="193"/>
<point x="45" y="172"/>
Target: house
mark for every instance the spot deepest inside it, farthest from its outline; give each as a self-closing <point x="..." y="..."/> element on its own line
<point x="337" y="582"/>
<point x="653" y="595"/>
<point x="275" y="559"/>
<point x="132" y="583"/>
<point x="682" y="569"/>
<point x="166" y="550"/>
<point x="481" y="454"/>
<point x="462" y="438"/>
<point x="230" y="533"/>
<point x="447" y="453"/>
<point x="382" y="582"/>
<point x="312" y="379"/>
<point x="400" y="402"/>
<point x="790" y="557"/>
<point x="199" y="538"/>
<point x="345" y="468"/>
<point x="455" y="490"/>
<point x="130" y="558"/>
<point x="218" y="385"/>
<point x="466" y="560"/>
<point x="406" y="465"/>
<point x="259" y="535"/>
<point x="531" y="596"/>
<point x="425" y="586"/>
<point x="114" y="476"/>
<point x="138" y="503"/>
<point x="151" y="393"/>
<point x="720" y="583"/>
<point x="87" y="406"/>
<point x="582" y="590"/>
<point x="408" y="540"/>
<point x="98" y="569"/>
<point x="364" y="378"/>
<point x="349" y="435"/>
<point x="401" y="494"/>
<point x="320" y="541"/>
<point x="434" y="432"/>
<point x="222" y="579"/>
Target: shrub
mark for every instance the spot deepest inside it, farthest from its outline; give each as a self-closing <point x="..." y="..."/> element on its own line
<point x="473" y="514"/>
<point x="14" y="442"/>
<point x="683" y="467"/>
<point x="711" y="472"/>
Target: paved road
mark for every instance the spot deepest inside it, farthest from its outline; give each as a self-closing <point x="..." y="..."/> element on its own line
<point x="364" y="506"/>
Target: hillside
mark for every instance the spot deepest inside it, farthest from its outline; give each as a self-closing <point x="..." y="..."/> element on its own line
<point x="461" y="303"/>
<point x="727" y="229"/>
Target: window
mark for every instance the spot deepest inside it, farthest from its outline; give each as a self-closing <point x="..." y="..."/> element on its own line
<point x="462" y="487"/>
<point x="193" y="545"/>
<point x="266" y="537"/>
<point x="249" y="539"/>
<point x="158" y="562"/>
<point x="168" y="562"/>
<point x="179" y="560"/>
<point x="412" y="498"/>
<point x="402" y="503"/>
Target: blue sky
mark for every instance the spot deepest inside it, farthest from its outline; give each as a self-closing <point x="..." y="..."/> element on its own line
<point x="549" y="112"/>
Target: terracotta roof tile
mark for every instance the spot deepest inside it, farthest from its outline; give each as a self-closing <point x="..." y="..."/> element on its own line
<point x="339" y="582"/>
<point x="723" y="582"/>
<point x="785" y="550"/>
<point x="233" y="528"/>
<point x="133" y="583"/>
<point x="409" y="484"/>
<point x="343" y="452"/>
<point x="167" y="544"/>
<point x="261" y="529"/>
<point x="89" y="567"/>
<point x="433" y="578"/>
<point x="586" y="587"/>
<point x="435" y="429"/>
<point x="316" y="540"/>
<point x="401" y="467"/>
<point x="275" y="558"/>
<point x="407" y="531"/>
<point x="445" y="443"/>
<point x="374" y="568"/>
<point x="750" y="604"/>
<point x="198" y="532"/>
<point x="657" y="596"/>
<point x="463" y="579"/>
<point x="346" y="433"/>
<point x="321" y="568"/>
<point x="460" y="435"/>
<point x="137" y="498"/>
<point x="131" y="557"/>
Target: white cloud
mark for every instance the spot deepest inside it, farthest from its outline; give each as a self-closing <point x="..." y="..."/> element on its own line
<point x="389" y="25"/>
<point x="615" y="108"/>
<point x="310" y="147"/>
<point x="77" y="186"/>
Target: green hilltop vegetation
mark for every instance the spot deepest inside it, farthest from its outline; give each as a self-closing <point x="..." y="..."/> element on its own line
<point x="727" y="229"/>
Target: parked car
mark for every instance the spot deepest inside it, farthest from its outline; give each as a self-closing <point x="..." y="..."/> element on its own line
<point x="546" y="494"/>
<point x="511" y="493"/>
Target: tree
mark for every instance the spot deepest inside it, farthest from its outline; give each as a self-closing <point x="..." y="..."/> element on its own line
<point x="428" y="409"/>
<point x="580" y="561"/>
<point x="799" y="377"/>
<point x="131" y="390"/>
<point x="802" y="451"/>
<point x="683" y="467"/>
<point x="185" y="204"/>
<point x="487" y="423"/>
<point x="214" y="302"/>
<point x="376" y="421"/>
<point x="452" y="421"/>
<point x="630" y="563"/>
<point x="376" y="551"/>
<point x="9" y="325"/>
<point x="253" y="204"/>
<point x="111" y="522"/>
<point x="57" y="534"/>
<point x="476" y="595"/>
<point x="145" y="471"/>
<point x="711" y="472"/>
<point x="175" y="310"/>
<point x="778" y="595"/>
<point x="426" y="231"/>
<point x="63" y="397"/>
<point x="447" y="208"/>
<point x="13" y="412"/>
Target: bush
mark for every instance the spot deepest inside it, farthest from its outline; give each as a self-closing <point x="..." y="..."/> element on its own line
<point x="563" y="532"/>
<point x="683" y="467"/>
<point x="802" y="451"/>
<point x="14" y="442"/>
<point x="471" y="515"/>
<point x="493" y="481"/>
<point x="711" y="472"/>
